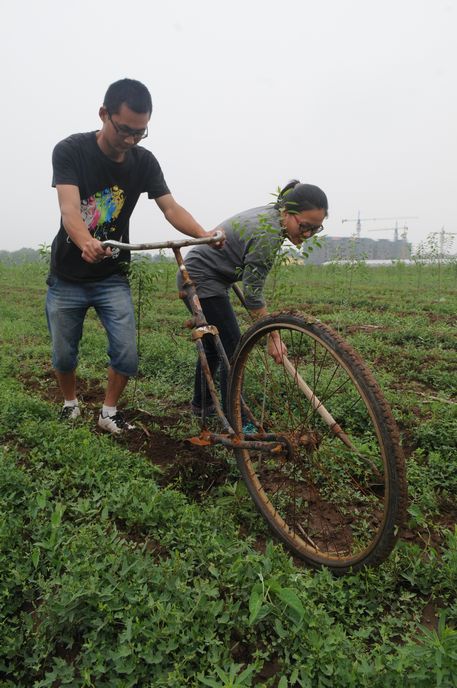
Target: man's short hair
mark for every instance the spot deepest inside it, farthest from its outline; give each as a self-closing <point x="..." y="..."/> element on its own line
<point x="131" y="92"/>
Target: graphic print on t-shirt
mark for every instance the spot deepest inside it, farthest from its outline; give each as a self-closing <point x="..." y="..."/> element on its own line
<point x="100" y="210"/>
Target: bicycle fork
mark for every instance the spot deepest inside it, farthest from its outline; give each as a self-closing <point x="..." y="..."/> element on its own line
<point x="200" y="328"/>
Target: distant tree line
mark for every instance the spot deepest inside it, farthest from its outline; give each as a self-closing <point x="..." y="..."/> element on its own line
<point x="30" y="255"/>
<point x="23" y="255"/>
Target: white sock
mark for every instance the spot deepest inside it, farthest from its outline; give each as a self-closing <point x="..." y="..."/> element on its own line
<point x="70" y="402"/>
<point x="108" y="410"/>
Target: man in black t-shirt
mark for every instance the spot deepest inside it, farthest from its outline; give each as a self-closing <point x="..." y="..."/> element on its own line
<point x="99" y="177"/>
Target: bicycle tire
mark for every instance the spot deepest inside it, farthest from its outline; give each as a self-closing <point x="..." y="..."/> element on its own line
<point x="335" y="499"/>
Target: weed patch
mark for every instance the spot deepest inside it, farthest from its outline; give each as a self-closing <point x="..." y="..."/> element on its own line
<point x="142" y="562"/>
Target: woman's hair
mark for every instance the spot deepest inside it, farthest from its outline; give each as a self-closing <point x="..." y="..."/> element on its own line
<point x="131" y="92"/>
<point x="295" y="197"/>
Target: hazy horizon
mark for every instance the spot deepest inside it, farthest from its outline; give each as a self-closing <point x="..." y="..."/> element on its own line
<point x="355" y="96"/>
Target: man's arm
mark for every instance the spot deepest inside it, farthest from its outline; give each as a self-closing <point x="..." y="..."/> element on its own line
<point x="180" y="218"/>
<point x="70" y="208"/>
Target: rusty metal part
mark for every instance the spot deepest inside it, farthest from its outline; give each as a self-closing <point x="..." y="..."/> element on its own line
<point x="187" y="282"/>
<point x="203" y="440"/>
<point x="200" y="331"/>
<point x="210" y="383"/>
<point x="236" y="442"/>
<point x="268" y="444"/>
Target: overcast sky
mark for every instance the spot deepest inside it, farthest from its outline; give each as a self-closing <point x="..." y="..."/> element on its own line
<point x="356" y="96"/>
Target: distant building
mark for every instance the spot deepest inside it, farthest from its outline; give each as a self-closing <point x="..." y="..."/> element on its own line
<point x="351" y="248"/>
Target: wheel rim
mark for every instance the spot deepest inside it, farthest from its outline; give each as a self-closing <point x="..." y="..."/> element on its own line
<point x="330" y="502"/>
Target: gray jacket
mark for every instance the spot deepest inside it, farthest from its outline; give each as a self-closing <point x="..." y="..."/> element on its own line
<point x="253" y="238"/>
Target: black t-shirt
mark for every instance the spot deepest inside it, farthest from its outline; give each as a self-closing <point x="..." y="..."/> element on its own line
<point x="109" y="192"/>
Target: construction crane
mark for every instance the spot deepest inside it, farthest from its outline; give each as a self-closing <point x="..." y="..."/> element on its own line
<point x="387" y="229"/>
<point x="404" y="234"/>
<point x="358" y="220"/>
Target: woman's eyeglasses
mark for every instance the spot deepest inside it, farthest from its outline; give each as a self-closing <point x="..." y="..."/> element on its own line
<point x="306" y="227"/>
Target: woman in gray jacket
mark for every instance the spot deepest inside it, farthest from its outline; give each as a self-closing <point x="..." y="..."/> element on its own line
<point x="253" y="239"/>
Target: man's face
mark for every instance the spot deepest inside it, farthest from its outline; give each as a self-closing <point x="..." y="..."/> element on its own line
<point x="123" y="129"/>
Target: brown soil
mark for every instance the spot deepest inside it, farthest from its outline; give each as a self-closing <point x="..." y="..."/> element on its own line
<point x="194" y="469"/>
<point x="430" y="614"/>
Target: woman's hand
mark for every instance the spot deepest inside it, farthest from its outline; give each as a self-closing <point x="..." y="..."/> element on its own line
<point x="276" y="347"/>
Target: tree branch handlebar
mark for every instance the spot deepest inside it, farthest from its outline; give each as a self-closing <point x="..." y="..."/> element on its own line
<point x="164" y="244"/>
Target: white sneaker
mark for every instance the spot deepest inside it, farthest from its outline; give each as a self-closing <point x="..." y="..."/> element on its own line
<point x="116" y="424"/>
<point x="69" y="413"/>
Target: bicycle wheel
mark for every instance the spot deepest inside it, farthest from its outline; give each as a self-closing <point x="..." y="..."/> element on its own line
<point x="335" y="493"/>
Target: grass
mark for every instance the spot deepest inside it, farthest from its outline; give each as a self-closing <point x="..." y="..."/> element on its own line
<point x="114" y="572"/>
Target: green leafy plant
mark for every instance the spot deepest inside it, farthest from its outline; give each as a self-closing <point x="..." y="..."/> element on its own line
<point x="235" y="677"/>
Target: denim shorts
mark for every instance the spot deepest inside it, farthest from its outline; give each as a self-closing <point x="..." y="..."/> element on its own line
<point x="66" y="306"/>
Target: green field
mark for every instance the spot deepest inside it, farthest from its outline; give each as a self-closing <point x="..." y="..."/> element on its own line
<point x="142" y="562"/>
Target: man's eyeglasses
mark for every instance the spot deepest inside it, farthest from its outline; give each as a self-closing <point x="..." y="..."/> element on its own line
<point x="125" y="132"/>
<point x="306" y="227"/>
